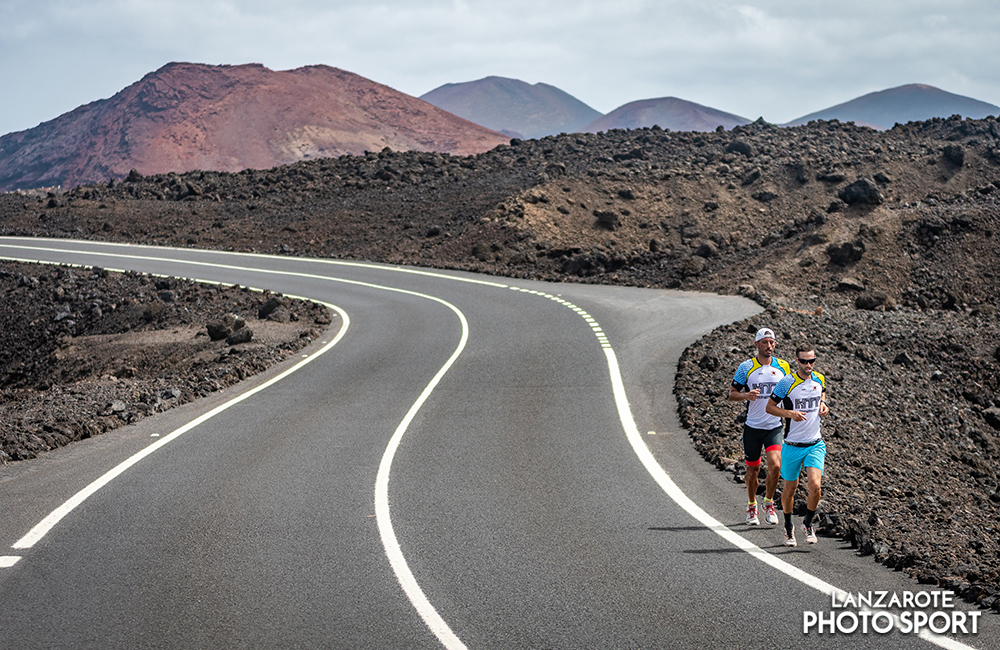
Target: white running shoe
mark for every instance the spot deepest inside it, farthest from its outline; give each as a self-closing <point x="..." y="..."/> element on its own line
<point x="790" y="537"/>
<point x="752" y="519"/>
<point x="770" y="516"/>
<point x="810" y="534"/>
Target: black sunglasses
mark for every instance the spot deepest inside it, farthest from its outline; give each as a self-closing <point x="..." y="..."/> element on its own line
<point x="805" y="361"/>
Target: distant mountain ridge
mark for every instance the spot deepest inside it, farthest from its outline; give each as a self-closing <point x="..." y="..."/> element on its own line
<point x="909" y="103"/>
<point x="188" y="116"/>
<point x="492" y="100"/>
<point x="514" y="107"/>
<point x="668" y="113"/>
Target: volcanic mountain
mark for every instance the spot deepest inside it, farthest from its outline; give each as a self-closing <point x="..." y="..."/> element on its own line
<point x="188" y="116"/>
<point x="668" y="113"/>
<point x="910" y="103"/>
<point x="514" y="107"/>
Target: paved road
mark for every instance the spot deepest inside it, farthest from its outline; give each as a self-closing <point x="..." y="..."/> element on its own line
<point x="475" y="462"/>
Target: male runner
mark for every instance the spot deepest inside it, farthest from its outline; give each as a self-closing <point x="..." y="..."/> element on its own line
<point x="753" y="382"/>
<point x="803" y="396"/>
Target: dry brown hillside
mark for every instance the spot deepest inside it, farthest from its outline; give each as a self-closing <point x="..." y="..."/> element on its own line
<point x="758" y="205"/>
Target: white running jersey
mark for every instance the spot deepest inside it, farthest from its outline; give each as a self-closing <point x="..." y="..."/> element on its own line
<point x="797" y="394"/>
<point x="751" y="375"/>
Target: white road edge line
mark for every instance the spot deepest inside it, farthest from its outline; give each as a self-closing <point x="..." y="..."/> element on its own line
<point x="677" y="495"/>
<point x="397" y="561"/>
<point x="310" y="260"/>
<point x="45" y="525"/>
<point x="710" y="522"/>
<point x="393" y="551"/>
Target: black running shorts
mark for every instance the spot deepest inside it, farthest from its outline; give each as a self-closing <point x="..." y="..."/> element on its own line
<point x="756" y="439"/>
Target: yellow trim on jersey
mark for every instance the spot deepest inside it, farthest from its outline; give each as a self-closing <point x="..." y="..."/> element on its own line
<point x="787" y="369"/>
<point x="820" y="379"/>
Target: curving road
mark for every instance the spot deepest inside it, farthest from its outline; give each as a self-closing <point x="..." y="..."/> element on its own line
<point x="471" y="462"/>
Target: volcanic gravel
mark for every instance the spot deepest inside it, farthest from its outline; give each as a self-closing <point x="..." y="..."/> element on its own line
<point x="84" y="350"/>
<point x="910" y="476"/>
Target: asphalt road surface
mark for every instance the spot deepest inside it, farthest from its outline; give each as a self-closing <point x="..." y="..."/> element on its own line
<point x="469" y="462"/>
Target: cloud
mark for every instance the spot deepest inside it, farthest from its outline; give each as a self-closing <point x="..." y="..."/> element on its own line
<point x="770" y="58"/>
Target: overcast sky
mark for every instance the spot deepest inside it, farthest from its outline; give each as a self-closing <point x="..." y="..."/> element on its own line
<point x="773" y="59"/>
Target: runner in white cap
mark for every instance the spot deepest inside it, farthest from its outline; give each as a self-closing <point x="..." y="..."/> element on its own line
<point x="753" y="382"/>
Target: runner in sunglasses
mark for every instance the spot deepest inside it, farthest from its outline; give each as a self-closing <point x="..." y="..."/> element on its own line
<point x="800" y="398"/>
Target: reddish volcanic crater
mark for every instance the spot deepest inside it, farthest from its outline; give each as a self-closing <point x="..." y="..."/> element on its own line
<point x="188" y="116"/>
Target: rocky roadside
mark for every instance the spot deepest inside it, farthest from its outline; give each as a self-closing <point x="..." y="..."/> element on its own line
<point x="912" y="437"/>
<point x="84" y="350"/>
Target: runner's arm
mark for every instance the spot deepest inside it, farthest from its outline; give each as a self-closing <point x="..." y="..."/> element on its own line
<point x="735" y="395"/>
<point x="773" y="409"/>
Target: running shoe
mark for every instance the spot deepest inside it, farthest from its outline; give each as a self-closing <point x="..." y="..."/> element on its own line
<point x="752" y="519"/>
<point x="790" y="537"/>
<point x="810" y="534"/>
<point x="770" y="516"/>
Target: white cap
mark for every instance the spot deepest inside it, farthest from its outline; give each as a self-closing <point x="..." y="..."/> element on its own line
<point x="764" y="333"/>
